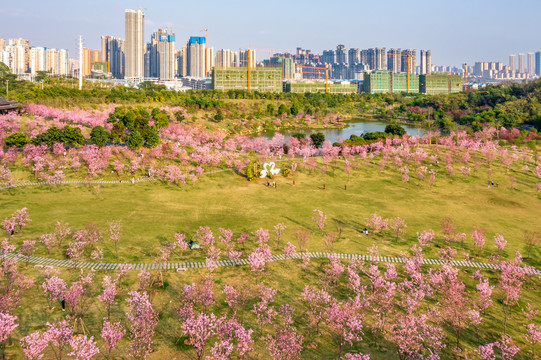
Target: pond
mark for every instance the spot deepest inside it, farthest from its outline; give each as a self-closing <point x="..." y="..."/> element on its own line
<point x="356" y="127"/>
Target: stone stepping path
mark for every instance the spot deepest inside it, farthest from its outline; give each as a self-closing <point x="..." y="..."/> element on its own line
<point x="43" y="261"/>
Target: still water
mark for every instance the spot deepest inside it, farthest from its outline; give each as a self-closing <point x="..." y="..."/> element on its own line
<point x="356" y="127"/>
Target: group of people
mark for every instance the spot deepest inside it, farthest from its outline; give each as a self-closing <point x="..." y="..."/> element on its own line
<point x="491" y="183"/>
<point x="274" y="184"/>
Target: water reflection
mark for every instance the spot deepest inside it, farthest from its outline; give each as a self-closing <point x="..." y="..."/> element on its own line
<point x="357" y="127"/>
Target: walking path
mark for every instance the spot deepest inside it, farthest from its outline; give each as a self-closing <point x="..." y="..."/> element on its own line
<point x="42" y="261"/>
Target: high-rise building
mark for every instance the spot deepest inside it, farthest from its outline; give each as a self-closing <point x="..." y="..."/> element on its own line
<point x="135" y="45"/>
<point x="2" y="44"/>
<point x="393" y="60"/>
<point x="411" y="58"/>
<point x="37" y="60"/>
<point x="26" y="45"/>
<point x="354" y="56"/>
<point x="538" y="63"/>
<point x="376" y="58"/>
<point x="521" y="64"/>
<point x="225" y="58"/>
<point x="531" y="64"/>
<point x="341" y="54"/>
<point x="243" y="58"/>
<point x="329" y="57"/>
<point x="426" y="62"/>
<point x="160" y="57"/>
<point x="112" y="51"/>
<point x="182" y="61"/>
<point x="209" y="61"/>
<point x="196" y="56"/>
<point x="513" y="64"/>
<point x="15" y="58"/>
<point x="89" y="56"/>
<point x="62" y="67"/>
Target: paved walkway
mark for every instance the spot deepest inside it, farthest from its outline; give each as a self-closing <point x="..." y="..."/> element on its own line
<point x="244" y="261"/>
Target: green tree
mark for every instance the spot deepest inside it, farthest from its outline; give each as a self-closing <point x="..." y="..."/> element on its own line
<point x="318" y="139"/>
<point x="270" y="109"/>
<point x="72" y="136"/>
<point x="135" y="140"/>
<point x="283" y="109"/>
<point x="17" y="139"/>
<point x="219" y="115"/>
<point x="294" y="109"/>
<point x="299" y="135"/>
<point x="395" y="129"/>
<point x="99" y="136"/>
<point x="151" y="138"/>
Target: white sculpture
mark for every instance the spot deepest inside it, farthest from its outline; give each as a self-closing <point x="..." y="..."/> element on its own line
<point x="272" y="170"/>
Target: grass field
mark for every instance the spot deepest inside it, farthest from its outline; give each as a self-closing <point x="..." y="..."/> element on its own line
<point x="152" y="212"/>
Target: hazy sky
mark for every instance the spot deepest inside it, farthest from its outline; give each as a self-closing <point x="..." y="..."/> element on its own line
<point x="456" y="31"/>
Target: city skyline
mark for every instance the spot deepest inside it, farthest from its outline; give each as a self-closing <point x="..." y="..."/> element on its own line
<point x="446" y="38"/>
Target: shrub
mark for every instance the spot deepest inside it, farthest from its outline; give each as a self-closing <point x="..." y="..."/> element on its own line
<point x="99" y="136"/>
<point x="395" y="129"/>
<point x="135" y="140"/>
<point x="252" y="170"/>
<point x="17" y="139"/>
<point x="318" y="139"/>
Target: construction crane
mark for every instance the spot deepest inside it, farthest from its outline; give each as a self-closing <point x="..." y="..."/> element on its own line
<point x="465" y="77"/>
<point x="407" y="56"/>
<point x="326" y="68"/>
<point x="249" y="60"/>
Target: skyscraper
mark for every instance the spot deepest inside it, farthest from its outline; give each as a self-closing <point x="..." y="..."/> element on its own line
<point x="513" y="64"/>
<point x="375" y="58"/>
<point x="225" y="58"/>
<point x="354" y="56"/>
<point x="243" y="58"/>
<point x="393" y="60"/>
<point x="135" y="45"/>
<point x="112" y="51"/>
<point x="538" y="63"/>
<point x="531" y="64"/>
<point x="426" y="62"/>
<point x="412" y="56"/>
<point x="341" y="54"/>
<point x="182" y="59"/>
<point x="37" y="59"/>
<point x="196" y="56"/>
<point x="521" y="64"/>
<point x="209" y="61"/>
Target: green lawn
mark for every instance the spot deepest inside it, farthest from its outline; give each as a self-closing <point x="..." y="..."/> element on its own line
<point x="152" y="212"/>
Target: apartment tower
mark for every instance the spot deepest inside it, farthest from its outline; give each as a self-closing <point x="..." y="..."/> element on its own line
<point x="135" y="44"/>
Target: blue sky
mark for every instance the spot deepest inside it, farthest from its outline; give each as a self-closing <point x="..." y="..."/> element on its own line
<point x="456" y="31"/>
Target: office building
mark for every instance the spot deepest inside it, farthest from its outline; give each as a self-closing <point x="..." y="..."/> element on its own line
<point x="261" y="79"/>
<point x="135" y="45"/>
<point x="196" y="56"/>
<point x="426" y="62"/>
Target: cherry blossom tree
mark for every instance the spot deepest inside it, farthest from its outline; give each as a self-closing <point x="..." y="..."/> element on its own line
<point x="479" y="238"/>
<point x="111" y="334"/>
<point x="7" y="325"/>
<point x="142" y="321"/>
<point x="33" y="345"/>
<point x="500" y="243"/>
<point x="109" y="294"/>
<point x="83" y="347"/>
<point x="319" y="219"/>
<point x="278" y="229"/>
<point x="397" y="225"/>
<point x="345" y="324"/>
<point x="54" y="289"/>
<point x="199" y="329"/>
<point x="115" y="228"/>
